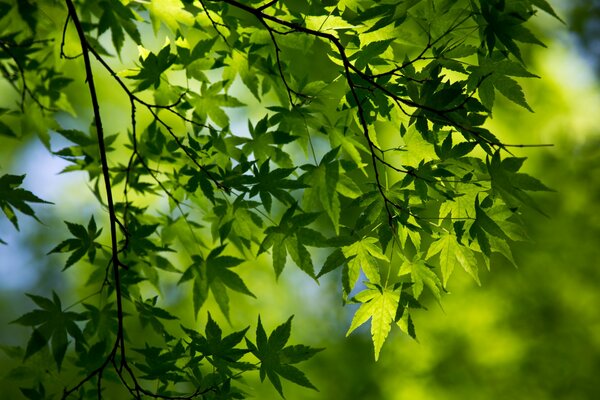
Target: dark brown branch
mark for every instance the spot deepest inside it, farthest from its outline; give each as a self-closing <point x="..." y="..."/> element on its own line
<point x="214" y="23"/>
<point x="267" y="5"/>
<point x="116" y="263"/>
<point x="63" y="41"/>
<point x="347" y="67"/>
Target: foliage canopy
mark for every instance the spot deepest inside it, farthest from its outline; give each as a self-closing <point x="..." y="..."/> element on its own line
<point x="366" y="152"/>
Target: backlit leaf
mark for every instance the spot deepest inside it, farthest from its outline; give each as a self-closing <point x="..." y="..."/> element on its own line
<point x="379" y="306"/>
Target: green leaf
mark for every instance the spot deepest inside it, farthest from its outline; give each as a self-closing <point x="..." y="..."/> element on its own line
<point x="405" y="232"/>
<point x="280" y="335"/>
<point x="117" y="17"/>
<point x="279" y="255"/>
<point x="333" y="261"/>
<point x="276" y="358"/>
<point x="214" y="274"/>
<point x="6" y="130"/>
<point x="300" y="255"/>
<point x="152" y="67"/>
<point x="12" y="197"/>
<point x="488" y="224"/>
<point x="544" y="5"/>
<point x="52" y="324"/>
<point x="371" y="51"/>
<point x="502" y="173"/>
<point x="528" y="182"/>
<point x="84" y="242"/>
<point x="322" y="183"/>
<point x="290" y="237"/>
<point x="169" y="12"/>
<point x="211" y="100"/>
<point x="347" y="187"/>
<point x="239" y="65"/>
<point x="365" y="120"/>
<point x="511" y="90"/>
<point x="222" y="352"/>
<point x="150" y="314"/>
<point x="34" y="393"/>
<point x="297" y="353"/>
<point x="379" y="306"/>
<point x="421" y="275"/>
<point x="406" y="324"/>
<point x="363" y="255"/>
<point x="37" y="341"/>
<point x="453" y="254"/>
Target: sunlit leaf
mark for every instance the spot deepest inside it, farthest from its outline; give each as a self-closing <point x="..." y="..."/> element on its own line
<point x="379" y="306"/>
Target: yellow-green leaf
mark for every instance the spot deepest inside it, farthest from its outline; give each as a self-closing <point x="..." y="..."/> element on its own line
<point x="170" y="12"/>
<point x="421" y="275"/>
<point x="380" y="307"/>
<point x="452" y="254"/>
<point x="365" y="253"/>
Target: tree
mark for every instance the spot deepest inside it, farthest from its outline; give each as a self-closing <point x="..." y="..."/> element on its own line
<point x="376" y="109"/>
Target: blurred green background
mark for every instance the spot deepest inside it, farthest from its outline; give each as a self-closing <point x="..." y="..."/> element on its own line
<point x="526" y="333"/>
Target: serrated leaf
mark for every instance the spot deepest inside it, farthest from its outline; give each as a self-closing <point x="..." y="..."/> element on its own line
<point x="279" y="255"/>
<point x="84" y="242"/>
<point x="511" y="90"/>
<point x="463" y="50"/>
<point x="463" y="205"/>
<point x="36" y="342"/>
<point x="238" y="64"/>
<point x="405" y="233"/>
<point x="169" y="12"/>
<point x="13" y="196"/>
<point x="348" y="188"/>
<point x="300" y="255"/>
<point x="379" y="306"/>
<point x="297" y="353"/>
<point x="276" y="359"/>
<point x="453" y="254"/>
<point x="486" y="93"/>
<point x="214" y="273"/>
<point x="421" y="275"/>
<point x="406" y="325"/>
<point x="52" y="324"/>
<point x="487" y="223"/>
<point x="528" y="182"/>
<point x="333" y="261"/>
<point x="322" y="182"/>
<point x="363" y="255"/>
<point x="280" y="335"/>
<point x="544" y="5"/>
<point x="294" y="375"/>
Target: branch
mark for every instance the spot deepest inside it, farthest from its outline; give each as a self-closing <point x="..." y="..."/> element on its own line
<point x="116" y="263"/>
<point x="151" y="108"/>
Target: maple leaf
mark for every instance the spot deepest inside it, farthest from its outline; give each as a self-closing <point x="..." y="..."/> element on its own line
<point x="276" y="358"/>
<point x="452" y="254"/>
<point x="13" y="196"/>
<point x="83" y="243"/>
<point x="379" y="305"/>
<point x="363" y="255"/>
<point x="421" y="275"/>
<point x="53" y="324"/>
<point x="214" y="273"/>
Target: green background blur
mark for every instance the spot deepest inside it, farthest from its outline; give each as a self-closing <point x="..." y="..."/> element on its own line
<point x="526" y="333"/>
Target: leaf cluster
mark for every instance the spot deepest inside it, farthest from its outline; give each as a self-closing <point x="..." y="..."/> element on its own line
<point x="372" y="145"/>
